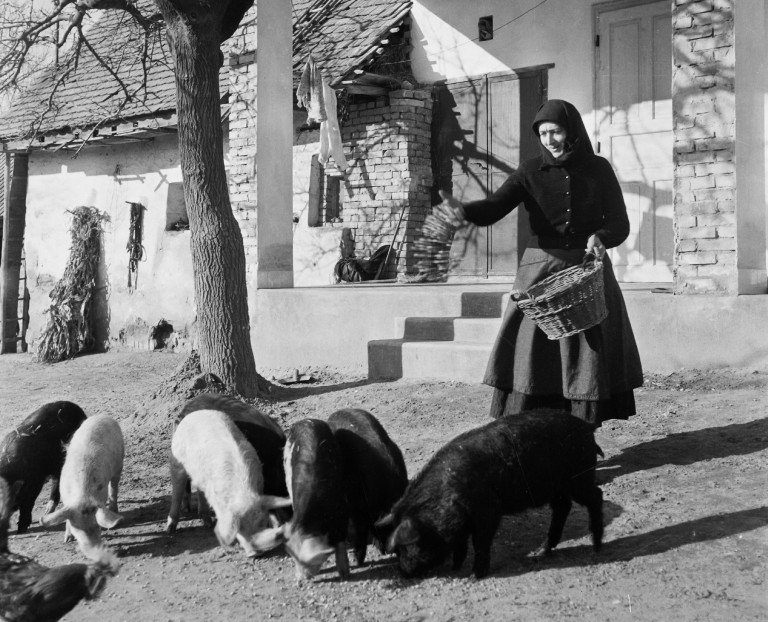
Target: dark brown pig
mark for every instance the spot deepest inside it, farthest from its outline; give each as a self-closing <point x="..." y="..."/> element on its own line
<point x="374" y="474"/>
<point x="511" y="464"/>
<point x="34" y="451"/>
<point x="315" y="479"/>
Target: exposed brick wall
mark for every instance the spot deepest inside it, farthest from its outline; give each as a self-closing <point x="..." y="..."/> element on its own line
<point x="389" y="145"/>
<point x="241" y="160"/>
<point x="704" y="150"/>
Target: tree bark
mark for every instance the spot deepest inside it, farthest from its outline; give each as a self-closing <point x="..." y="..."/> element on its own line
<point x="218" y="257"/>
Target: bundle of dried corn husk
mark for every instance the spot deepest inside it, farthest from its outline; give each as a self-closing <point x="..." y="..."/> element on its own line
<point x="432" y="249"/>
<point x="69" y="329"/>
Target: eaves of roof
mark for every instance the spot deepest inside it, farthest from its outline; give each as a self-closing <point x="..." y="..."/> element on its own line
<point x="340" y="34"/>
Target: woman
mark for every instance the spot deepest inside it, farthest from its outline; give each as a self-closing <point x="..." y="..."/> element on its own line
<point x="574" y="203"/>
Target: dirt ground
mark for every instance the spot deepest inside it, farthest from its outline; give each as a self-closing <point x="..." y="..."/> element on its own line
<point x="685" y="485"/>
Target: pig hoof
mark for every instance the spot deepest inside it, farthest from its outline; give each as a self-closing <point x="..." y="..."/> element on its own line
<point x="170" y="526"/>
<point x="543" y="551"/>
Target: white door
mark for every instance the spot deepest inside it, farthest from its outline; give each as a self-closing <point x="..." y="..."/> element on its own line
<point x="634" y="131"/>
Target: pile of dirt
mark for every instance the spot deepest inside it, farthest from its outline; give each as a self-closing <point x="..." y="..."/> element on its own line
<point x="159" y="410"/>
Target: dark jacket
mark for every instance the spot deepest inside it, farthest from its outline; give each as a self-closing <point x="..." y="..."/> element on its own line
<point x="566" y="204"/>
<point x="568" y="198"/>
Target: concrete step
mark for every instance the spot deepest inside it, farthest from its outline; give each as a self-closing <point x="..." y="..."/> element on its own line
<point x="484" y="304"/>
<point x="477" y="329"/>
<point x="448" y="347"/>
<point x="454" y="360"/>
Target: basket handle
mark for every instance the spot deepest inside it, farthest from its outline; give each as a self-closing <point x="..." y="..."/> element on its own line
<point x="592" y="258"/>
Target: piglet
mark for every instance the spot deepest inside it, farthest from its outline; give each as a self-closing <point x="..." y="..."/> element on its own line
<point x="89" y="484"/>
<point x="315" y="480"/>
<point x="208" y="448"/>
<point x="374" y="474"/>
<point x="504" y="467"/>
<point x="34" y="451"/>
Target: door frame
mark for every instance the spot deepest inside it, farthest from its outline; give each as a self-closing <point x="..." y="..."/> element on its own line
<point x="597" y="10"/>
<point x="523" y="226"/>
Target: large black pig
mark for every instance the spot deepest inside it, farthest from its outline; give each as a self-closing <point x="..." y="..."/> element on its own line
<point x="511" y="464"/>
<point x="34" y="451"/>
<point x="374" y="473"/>
<point x="315" y="479"/>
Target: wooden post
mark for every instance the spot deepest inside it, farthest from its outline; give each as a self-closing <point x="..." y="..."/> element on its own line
<point x="16" y="174"/>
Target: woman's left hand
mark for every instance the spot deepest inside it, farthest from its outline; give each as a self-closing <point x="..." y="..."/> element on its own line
<point x="595" y="246"/>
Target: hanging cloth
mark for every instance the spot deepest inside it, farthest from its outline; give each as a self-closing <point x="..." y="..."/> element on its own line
<point x="330" y="132"/>
<point x="310" y="92"/>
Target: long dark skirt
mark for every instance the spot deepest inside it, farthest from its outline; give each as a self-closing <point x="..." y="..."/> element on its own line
<point x="591" y="374"/>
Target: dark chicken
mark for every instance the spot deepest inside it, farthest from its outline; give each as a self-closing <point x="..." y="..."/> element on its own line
<point x="30" y="592"/>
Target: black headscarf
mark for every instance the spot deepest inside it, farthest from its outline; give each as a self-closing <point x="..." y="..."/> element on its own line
<point x="577" y="141"/>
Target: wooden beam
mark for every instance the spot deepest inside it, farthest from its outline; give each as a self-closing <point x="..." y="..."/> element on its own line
<point x="366" y="89"/>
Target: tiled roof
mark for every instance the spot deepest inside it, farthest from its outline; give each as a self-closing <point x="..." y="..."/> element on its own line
<point x="344" y="32"/>
<point x="92" y="95"/>
<point x="340" y="34"/>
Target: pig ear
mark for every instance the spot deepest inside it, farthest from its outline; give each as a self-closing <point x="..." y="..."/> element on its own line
<point x="386" y="523"/>
<point x="268" y="539"/>
<point x="272" y="503"/>
<point x="56" y="518"/>
<point x="314" y="551"/>
<point x="406" y="533"/>
<point x="107" y="519"/>
<point x="226" y="528"/>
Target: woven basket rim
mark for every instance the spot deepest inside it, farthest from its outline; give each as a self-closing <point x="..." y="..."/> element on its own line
<point x="571" y="300"/>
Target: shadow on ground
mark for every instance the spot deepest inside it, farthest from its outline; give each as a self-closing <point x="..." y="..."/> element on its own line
<point x="685" y="448"/>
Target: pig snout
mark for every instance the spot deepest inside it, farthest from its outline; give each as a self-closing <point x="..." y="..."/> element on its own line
<point x="309" y="553"/>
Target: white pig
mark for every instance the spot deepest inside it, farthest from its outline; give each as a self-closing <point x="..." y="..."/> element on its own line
<point x="209" y="449"/>
<point x="89" y="483"/>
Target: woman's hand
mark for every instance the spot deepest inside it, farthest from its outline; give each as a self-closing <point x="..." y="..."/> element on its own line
<point x="450" y="210"/>
<point x="595" y="246"/>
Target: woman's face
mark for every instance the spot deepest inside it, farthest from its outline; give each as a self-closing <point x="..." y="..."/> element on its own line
<point x="552" y="136"/>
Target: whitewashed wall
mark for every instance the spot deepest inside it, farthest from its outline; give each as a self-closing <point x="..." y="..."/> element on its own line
<point x="105" y="178"/>
<point x="444" y="34"/>
<point x="315" y="249"/>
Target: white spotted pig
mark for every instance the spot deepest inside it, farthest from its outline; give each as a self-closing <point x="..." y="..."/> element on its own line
<point x="89" y="484"/>
<point x="208" y="448"/>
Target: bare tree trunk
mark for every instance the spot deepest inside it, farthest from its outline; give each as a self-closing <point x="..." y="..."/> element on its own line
<point x="218" y="256"/>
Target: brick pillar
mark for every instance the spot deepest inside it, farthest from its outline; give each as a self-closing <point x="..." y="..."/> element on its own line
<point x="716" y="252"/>
<point x="268" y="243"/>
<point x="391" y="174"/>
<point x="241" y="162"/>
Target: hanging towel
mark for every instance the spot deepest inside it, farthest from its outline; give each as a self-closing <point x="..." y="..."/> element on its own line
<point x="330" y="132"/>
<point x="310" y="92"/>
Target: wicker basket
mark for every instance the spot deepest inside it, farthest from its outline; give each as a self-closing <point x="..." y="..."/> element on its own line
<point x="567" y="302"/>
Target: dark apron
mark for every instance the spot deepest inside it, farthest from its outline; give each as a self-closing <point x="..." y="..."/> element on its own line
<point x="592" y="374"/>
